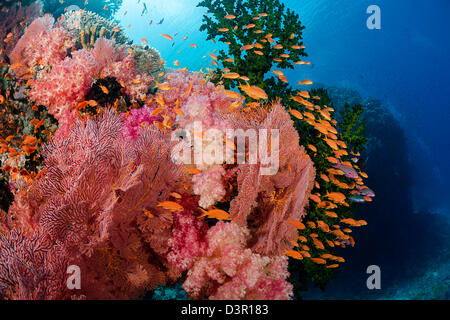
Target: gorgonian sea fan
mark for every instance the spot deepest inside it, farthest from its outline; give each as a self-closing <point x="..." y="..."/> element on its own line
<point x="31" y="267"/>
<point x="95" y="199"/>
<point x="265" y="203"/>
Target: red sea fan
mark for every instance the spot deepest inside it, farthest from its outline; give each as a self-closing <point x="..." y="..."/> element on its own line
<point x="98" y="197"/>
<point x="265" y="203"/>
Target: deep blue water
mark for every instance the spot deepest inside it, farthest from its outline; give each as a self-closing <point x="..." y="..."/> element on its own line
<point x="406" y="65"/>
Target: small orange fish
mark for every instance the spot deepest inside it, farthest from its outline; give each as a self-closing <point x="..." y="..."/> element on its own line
<point x="230" y="17"/>
<point x="217" y="214"/>
<point x="254" y="92"/>
<point x="30" y="140"/>
<point x="231" y="75"/>
<point x="297" y="224"/>
<point x="193" y="171"/>
<point x="170" y="205"/>
<point x="296" y="114"/>
<point x="167" y="36"/>
<point x="223" y="30"/>
<point x="104" y="89"/>
<point x="318" y="260"/>
<point x="144" y="40"/>
<point x="247" y="47"/>
<point x="294" y="254"/>
<point x="193" y="45"/>
<point x="305" y="82"/>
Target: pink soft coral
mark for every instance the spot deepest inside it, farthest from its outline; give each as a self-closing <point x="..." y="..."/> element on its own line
<point x="229" y="270"/>
<point x="210" y="186"/>
<point x="66" y="84"/>
<point x="135" y="120"/>
<point x="42" y="44"/>
<point x="136" y="85"/>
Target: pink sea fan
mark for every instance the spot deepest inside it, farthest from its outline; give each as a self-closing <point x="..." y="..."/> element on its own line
<point x="231" y="271"/>
<point x="42" y="43"/>
<point x="270" y="201"/>
<point x="135" y="120"/>
<point x="31" y="267"/>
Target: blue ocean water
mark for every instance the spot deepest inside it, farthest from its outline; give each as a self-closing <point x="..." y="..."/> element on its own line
<point x="405" y="65"/>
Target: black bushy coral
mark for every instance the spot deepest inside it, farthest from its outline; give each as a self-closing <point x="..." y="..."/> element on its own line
<point x="282" y="23"/>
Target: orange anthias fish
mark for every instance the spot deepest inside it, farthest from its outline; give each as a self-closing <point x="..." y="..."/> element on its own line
<point x="104" y="89"/>
<point x="336" y="196"/>
<point x="247" y="47"/>
<point x="231" y="75"/>
<point x="216" y="214"/>
<point x="297" y="224"/>
<point x="294" y="254"/>
<point x="305" y="82"/>
<point x="230" y="17"/>
<point x="167" y="36"/>
<point x="254" y="92"/>
<point x="296" y="114"/>
<point x="170" y="205"/>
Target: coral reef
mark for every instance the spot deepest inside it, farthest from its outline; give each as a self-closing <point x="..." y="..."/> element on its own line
<point x="109" y="191"/>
